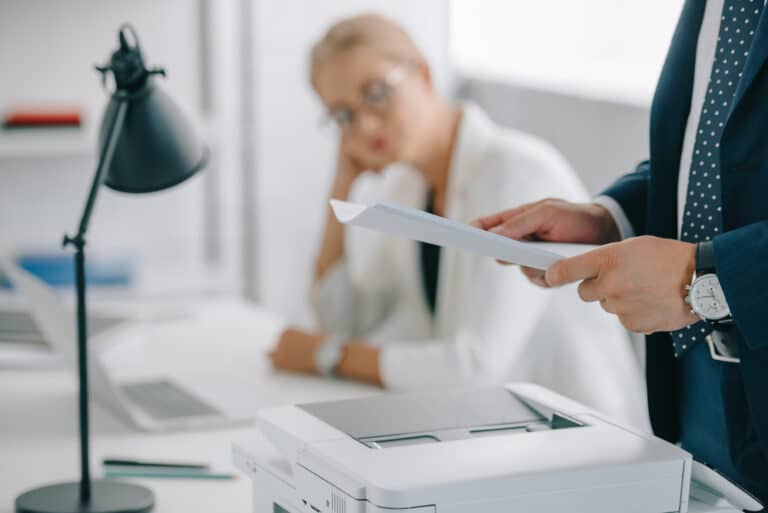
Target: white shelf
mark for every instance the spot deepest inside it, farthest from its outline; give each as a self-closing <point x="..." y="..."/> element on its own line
<point x="31" y="143"/>
<point x="34" y="143"/>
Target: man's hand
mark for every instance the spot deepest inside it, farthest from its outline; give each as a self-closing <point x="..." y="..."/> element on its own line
<point x="641" y="280"/>
<point x="295" y="351"/>
<point x="553" y="220"/>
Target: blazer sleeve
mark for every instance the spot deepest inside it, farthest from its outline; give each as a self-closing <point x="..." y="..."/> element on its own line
<point x="349" y="306"/>
<point x="631" y="193"/>
<point x="741" y="260"/>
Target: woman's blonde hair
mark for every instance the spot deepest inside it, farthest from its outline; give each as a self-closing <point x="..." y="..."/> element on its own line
<point x="364" y="31"/>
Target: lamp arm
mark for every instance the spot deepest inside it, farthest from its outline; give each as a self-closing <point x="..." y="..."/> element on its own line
<point x="105" y="160"/>
<point x="78" y="241"/>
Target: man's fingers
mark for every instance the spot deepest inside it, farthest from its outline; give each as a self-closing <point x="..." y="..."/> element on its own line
<point x="491" y="221"/>
<point x="536" y="276"/>
<point x="608" y="305"/>
<point x="581" y="267"/>
<point x="522" y="224"/>
<point x="530" y="272"/>
<point x="494" y="220"/>
<point x="487" y="222"/>
<point x="589" y="291"/>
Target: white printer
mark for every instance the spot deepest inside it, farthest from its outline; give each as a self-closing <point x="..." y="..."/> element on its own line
<point x="520" y="448"/>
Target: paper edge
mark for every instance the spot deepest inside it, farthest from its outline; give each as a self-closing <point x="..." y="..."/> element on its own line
<point x="346" y="211"/>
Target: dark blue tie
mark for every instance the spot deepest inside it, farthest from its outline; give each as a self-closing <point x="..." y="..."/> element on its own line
<point x="703" y="218"/>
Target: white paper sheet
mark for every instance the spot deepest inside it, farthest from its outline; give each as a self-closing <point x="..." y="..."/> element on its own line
<point x="418" y="225"/>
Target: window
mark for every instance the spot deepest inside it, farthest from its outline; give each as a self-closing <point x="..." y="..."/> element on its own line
<point x="607" y="49"/>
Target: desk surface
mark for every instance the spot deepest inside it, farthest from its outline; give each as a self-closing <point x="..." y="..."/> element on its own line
<point x="225" y="342"/>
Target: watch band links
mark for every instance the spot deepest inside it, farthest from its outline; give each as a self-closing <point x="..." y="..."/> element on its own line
<point x="705" y="258"/>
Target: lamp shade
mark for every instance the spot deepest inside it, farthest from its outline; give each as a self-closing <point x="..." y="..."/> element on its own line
<point x="156" y="149"/>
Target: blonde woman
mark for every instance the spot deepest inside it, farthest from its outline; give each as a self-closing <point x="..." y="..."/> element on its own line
<point x="406" y="315"/>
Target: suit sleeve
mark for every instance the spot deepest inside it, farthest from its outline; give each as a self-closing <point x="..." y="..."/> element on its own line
<point x="631" y="193"/>
<point x="741" y="261"/>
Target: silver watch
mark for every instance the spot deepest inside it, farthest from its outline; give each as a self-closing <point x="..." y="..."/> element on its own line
<point x="329" y="354"/>
<point x="707" y="299"/>
<point x="705" y="296"/>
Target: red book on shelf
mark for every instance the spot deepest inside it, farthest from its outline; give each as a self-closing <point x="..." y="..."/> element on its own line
<point x="42" y="118"/>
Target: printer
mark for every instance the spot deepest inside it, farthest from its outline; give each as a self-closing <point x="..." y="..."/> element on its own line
<point x="518" y="448"/>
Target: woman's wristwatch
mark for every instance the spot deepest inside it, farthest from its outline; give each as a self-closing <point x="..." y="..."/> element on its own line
<point x="329" y="354"/>
<point x="705" y="296"/>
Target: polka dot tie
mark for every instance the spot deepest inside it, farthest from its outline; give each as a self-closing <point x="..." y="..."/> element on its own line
<point x="703" y="218"/>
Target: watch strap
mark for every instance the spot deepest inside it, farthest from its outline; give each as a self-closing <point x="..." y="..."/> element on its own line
<point x="705" y="258"/>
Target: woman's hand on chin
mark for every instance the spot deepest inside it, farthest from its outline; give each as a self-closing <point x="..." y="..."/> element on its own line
<point x="353" y="160"/>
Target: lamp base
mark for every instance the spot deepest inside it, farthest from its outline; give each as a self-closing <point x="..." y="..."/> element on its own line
<point x="106" y="497"/>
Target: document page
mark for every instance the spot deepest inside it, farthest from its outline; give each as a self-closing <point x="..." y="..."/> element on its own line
<point x="421" y="226"/>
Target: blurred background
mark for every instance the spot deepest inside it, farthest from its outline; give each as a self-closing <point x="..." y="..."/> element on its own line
<point x="578" y="73"/>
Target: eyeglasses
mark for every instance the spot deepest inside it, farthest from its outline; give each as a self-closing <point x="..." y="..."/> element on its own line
<point x="376" y="97"/>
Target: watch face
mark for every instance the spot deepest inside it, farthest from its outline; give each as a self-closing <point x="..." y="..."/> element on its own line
<point x="707" y="298"/>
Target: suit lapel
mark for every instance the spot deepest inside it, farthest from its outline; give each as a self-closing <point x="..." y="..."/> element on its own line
<point x="757" y="56"/>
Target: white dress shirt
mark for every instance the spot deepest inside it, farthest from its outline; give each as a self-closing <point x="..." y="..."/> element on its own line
<point x="705" y="57"/>
<point x="490" y="325"/>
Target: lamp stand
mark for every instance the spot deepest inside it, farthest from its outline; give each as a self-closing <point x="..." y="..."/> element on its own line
<point x="88" y="496"/>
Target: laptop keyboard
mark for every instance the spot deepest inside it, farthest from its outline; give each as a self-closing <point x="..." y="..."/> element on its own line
<point x="163" y="400"/>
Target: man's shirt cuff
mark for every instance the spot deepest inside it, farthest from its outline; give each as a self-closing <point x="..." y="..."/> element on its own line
<point x="619" y="216"/>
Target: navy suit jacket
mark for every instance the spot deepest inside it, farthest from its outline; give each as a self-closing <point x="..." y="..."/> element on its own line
<point x="649" y="197"/>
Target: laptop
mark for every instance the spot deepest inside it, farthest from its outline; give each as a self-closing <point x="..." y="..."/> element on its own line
<point x="158" y="404"/>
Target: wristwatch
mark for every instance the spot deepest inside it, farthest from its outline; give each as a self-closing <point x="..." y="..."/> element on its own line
<point x="707" y="300"/>
<point x="705" y="296"/>
<point x="329" y="354"/>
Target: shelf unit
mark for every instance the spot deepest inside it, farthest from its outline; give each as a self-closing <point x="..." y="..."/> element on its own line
<point x="32" y="143"/>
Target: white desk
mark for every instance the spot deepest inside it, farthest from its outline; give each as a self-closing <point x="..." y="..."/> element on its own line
<point x="226" y="342"/>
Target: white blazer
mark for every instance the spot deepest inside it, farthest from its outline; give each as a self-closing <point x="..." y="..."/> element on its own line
<point x="490" y="325"/>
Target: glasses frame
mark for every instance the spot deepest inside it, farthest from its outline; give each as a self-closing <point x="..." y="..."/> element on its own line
<point x="391" y="80"/>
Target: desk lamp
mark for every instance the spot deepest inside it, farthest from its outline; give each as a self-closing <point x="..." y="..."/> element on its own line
<point x="145" y="145"/>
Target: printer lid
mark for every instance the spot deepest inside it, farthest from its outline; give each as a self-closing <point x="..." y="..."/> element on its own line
<point x="432" y="416"/>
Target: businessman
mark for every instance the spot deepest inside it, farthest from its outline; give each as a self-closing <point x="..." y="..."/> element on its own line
<point x="686" y="241"/>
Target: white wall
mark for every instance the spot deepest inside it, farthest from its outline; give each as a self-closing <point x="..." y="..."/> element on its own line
<point x="47" y="53"/>
<point x="602" y="139"/>
<point x="295" y="158"/>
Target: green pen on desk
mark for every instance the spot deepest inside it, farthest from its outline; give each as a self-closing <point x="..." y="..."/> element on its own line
<point x="124" y="462"/>
<point x="121" y="467"/>
<point x="168" y="474"/>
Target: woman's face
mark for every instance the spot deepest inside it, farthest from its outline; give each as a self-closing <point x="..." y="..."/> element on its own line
<point x="382" y="105"/>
